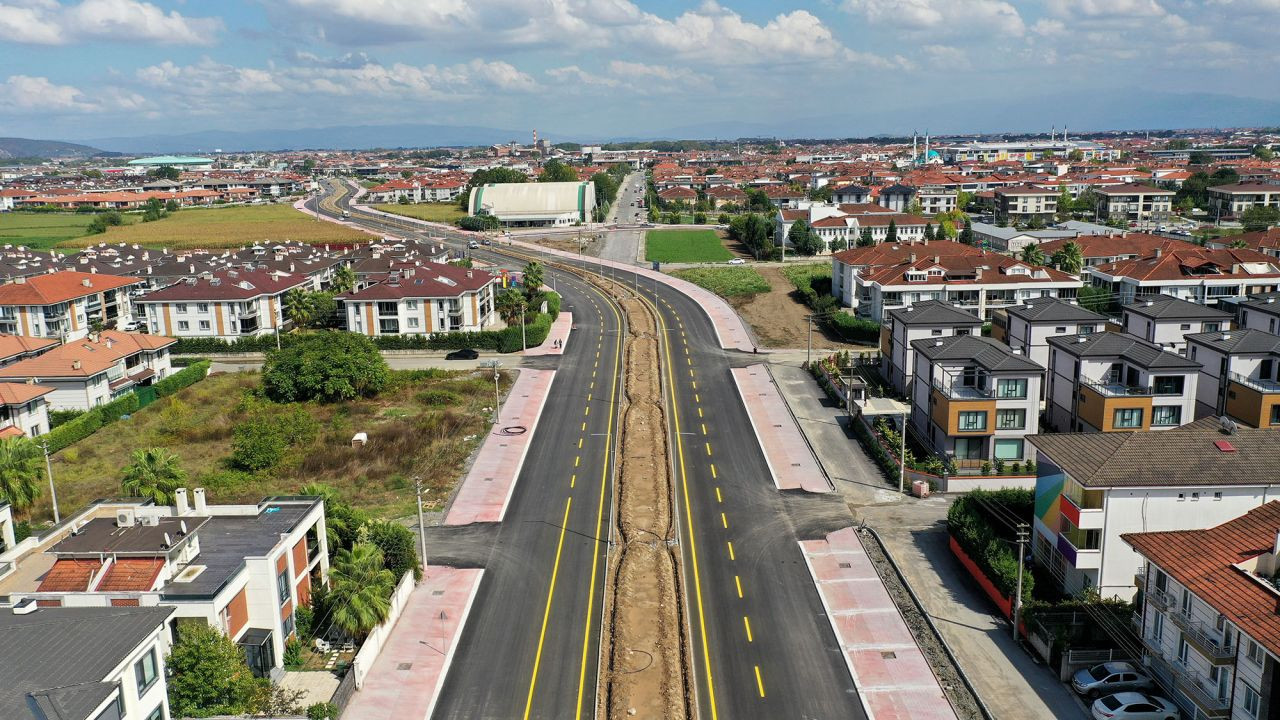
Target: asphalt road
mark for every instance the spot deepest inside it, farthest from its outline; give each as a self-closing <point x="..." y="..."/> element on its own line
<point x="762" y="645"/>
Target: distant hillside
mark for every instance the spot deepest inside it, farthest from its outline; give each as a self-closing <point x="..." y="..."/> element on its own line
<point x="26" y="148"/>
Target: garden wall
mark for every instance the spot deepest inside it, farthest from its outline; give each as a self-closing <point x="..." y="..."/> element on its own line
<point x="363" y="661"/>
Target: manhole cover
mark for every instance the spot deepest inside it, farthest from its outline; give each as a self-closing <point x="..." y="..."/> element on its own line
<point x="404" y="666"/>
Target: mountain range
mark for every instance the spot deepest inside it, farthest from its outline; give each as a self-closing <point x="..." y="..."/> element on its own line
<point x="347" y="137"/>
<point x="24" y="148"/>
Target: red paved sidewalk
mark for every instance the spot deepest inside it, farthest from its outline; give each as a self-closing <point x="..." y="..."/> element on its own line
<point x="405" y="680"/>
<point x="559" y="331"/>
<point x="893" y="677"/>
<point x="488" y="486"/>
<point x="790" y="460"/>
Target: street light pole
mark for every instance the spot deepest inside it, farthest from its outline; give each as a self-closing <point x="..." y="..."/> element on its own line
<point x="524" y="310"/>
<point x="496" y="400"/>
<point x="53" y="491"/>
<point x="902" y="457"/>
<point x="422" y="527"/>
<point x="1017" y="599"/>
<point x="808" y="353"/>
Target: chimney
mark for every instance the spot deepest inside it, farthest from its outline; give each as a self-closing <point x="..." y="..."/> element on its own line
<point x="20" y="279"/>
<point x="1159" y="252"/>
<point x="200" y="506"/>
<point x="110" y="342"/>
<point x="180" y="501"/>
<point x="912" y="257"/>
<point x="75" y="364"/>
<point x="937" y="260"/>
<point x="86" y="282"/>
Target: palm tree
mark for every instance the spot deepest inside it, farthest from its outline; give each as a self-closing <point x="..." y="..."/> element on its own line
<point x="1069" y="258"/>
<point x="510" y="305"/>
<point x="360" y="589"/>
<point x="298" y="307"/>
<point x="20" y="468"/>
<point x="1033" y="254"/>
<point x="153" y="473"/>
<point x="344" y="280"/>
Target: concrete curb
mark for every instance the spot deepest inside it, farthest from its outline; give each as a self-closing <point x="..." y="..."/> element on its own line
<point x="453" y="646"/>
<point x="816" y="457"/>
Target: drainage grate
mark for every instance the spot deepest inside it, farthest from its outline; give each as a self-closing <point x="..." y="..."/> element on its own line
<point x="846" y="566"/>
<point x="888" y="655"/>
<point x="404" y="666"/>
<point x="437" y="592"/>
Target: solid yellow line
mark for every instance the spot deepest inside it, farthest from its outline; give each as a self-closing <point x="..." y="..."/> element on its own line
<point x="546" y="613"/>
<point x="731" y="557"/>
<point x="724" y="521"/>
<point x="759" y="682"/>
<point x="604" y="479"/>
<point x="738" y="584"/>
<point x="746" y="622"/>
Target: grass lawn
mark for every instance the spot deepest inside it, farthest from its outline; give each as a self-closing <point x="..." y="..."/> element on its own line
<point x="732" y="281"/>
<point x="42" y="231"/>
<point x="230" y="226"/>
<point x="426" y="423"/>
<point x="684" y="246"/>
<point x="432" y="212"/>
<point x="801" y="275"/>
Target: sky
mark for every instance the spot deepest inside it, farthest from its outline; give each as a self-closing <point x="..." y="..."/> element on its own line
<point x="76" y="69"/>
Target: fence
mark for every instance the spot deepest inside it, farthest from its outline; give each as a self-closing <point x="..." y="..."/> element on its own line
<point x="368" y="653"/>
<point x="346" y="689"/>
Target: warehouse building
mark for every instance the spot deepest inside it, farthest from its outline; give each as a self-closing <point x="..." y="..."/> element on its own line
<point x="533" y="204"/>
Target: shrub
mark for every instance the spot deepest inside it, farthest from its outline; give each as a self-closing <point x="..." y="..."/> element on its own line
<point x="986" y="541"/>
<point x="326" y="367"/>
<point x="398" y="545"/>
<point x="438" y="398"/>
<point x="322" y="711"/>
<point x="181" y="379"/>
<point x="118" y="408"/>
<point x="292" y="653"/>
<point x="58" y="418"/>
<point x="258" y="443"/>
<point x="73" y="431"/>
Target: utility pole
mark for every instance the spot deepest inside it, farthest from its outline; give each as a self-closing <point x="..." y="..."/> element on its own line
<point x="524" y="315"/>
<point x="808" y="353"/>
<point x="902" y="458"/>
<point x="1017" y="599"/>
<point x="53" y="491"/>
<point x="422" y="527"/>
<point x="496" y="399"/>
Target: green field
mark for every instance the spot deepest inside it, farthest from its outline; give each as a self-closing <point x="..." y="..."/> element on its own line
<point x="688" y="246"/>
<point x="726" y="282"/>
<point x="431" y="212"/>
<point x="222" y="227"/>
<point x="42" y="231"/>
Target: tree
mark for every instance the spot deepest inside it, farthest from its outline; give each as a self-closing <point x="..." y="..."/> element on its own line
<point x="1094" y="298"/>
<point x="166" y="172"/>
<point x="153" y="473"/>
<point x="532" y="281"/>
<point x="1065" y="203"/>
<point x="1033" y="254"/>
<point x="510" y="306"/>
<point x="257" y="443"/>
<point x="360" y="589"/>
<point x="399" y="547"/>
<point x="153" y="210"/>
<point x="865" y="239"/>
<point x="966" y="235"/>
<point x="699" y="218"/>
<point x="752" y="231"/>
<point x="309" y="165"/>
<point x="840" y="242"/>
<point x="556" y="171"/>
<point x="1238" y="244"/>
<point x="802" y="239"/>
<point x="171" y="206"/>
<point x="207" y="675"/>
<point x="606" y="186"/>
<point x="498" y="175"/>
<point x="928" y="233"/>
<point x="344" y="280"/>
<point x="21" y="471"/>
<point x="327" y="367"/>
<point x="1259" y="217"/>
<point x="758" y="201"/>
<point x="964" y="200"/>
<point x="1075" y="155"/>
<point x="891" y="235"/>
<point x="298" y="307"/>
<point x="1199" y="157"/>
<point x="822" y="194"/>
<point x="1264" y="152"/>
<point x="1069" y="258"/>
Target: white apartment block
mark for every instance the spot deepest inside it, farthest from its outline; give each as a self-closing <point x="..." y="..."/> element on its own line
<point x="84" y="374"/>
<point x="64" y="304"/>
<point x="1198" y="275"/>
<point x="225" y="304"/>
<point x="930" y="319"/>
<point x="1134" y="203"/>
<point x="422" y="300"/>
<point x="1027" y="328"/>
<point x="1240" y="377"/>
<point x="1166" y="321"/>
<point x="1228" y="201"/>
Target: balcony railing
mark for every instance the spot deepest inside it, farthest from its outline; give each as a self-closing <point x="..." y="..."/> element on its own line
<point x="961" y="392"/>
<point x="1117" y="389"/>
<point x="1160" y="599"/>
<point x="1266" y="386"/>
<point x="1209" y="642"/>
<point x="1199" y="690"/>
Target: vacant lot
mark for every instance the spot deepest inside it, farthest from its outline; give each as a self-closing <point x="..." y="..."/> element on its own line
<point x="426" y="423"/>
<point x="432" y="212"/>
<point x="231" y="226"/>
<point x="42" y="231"/>
<point x="686" y="246"/>
<point x="779" y="317"/>
<point x="731" y="281"/>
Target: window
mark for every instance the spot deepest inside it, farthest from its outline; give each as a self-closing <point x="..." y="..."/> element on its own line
<point x="204" y="324"/>
<point x="1011" y="419"/>
<point x="180" y="307"/>
<point x="114" y="711"/>
<point x="1255" y="653"/>
<point x="1127" y="418"/>
<point x="1275" y="414"/>
<point x="1252" y="702"/>
<point x="1184" y="326"/>
<point x="1166" y="415"/>
<point x="411" y="304"/>
<point x="202" y="307"/>
<point x="1011" y="389"/>
<point x="1168" y="384"/>
<point x="935" y="333"/>
<point x="1162" y="581"/>
<point x="1185" y="605"/>
<point x="289" y="625"/>
<point x="1087" y="330"/>
<point x="973" y="420"/>
<point x="144" y="671"/>
<point x="1212" y="327"/>
<point x="1008" y="449"/>
<point x="1157" y="626"/>
<point x="184" y="325"/>
<point x="157" y="714"/>
<point x="1060" y="330"/>
<point x="1184" y="649"/>
<point x="413" y="322"/>
<point x="1217" y="495"/>
<point x="282" y="585"/>
<point x="969" y="448"/>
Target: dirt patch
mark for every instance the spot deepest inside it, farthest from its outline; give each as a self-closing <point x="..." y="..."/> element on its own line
<point x="589" y="245"/>
<point x="779" y="318"/>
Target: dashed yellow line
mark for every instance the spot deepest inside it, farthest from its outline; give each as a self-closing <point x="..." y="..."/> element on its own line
<point x="579" y="443"/>
<point x="708" y="449"/>
<point x="577" y="460"/>
<point x="746" y="623"/>
<point x="713" y="472"/>
<point x="573" y="480"/>
<point x="718" y="498"/>
<point x="724" y="521"/>
<point x="759" y="681"/>
<point x="730" y="543"/>
<point x="738" y="584"/>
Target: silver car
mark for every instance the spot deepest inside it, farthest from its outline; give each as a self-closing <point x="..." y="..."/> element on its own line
<point x="1134" y="706"/>
<point x="1109" y="678"/>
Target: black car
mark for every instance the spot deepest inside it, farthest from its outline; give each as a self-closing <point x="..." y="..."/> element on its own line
<point x="463" y="354"/>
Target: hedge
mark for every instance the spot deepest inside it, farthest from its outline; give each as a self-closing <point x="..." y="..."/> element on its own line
<point x="969" y="524"/>
<point x="72" y="432"/>
<point x="183" y="378"/>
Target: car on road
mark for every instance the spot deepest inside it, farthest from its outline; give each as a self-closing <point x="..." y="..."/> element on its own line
<point x="463" y="354"/>
<point x="737" y="261"/>
<point x="1134" y="706"/>
<point x="473" y="244"/>
<point x="346" y="213"/>
<point x="1108" y="678"/>
<point x="131" y="326"/>
<point x="486" y="241"/>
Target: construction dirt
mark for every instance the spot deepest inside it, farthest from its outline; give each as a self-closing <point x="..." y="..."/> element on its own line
<point x="780" y="319"/>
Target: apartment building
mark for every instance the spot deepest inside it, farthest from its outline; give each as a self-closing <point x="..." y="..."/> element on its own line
<point x="1091" y="488"/>
<point x="84" y="663"/>
<point x="1260" y="312"/>
<point x="227" y="304"/>
<point x="94" y="371"/>
<point x="874" y="280"/>
<point x="843" y="224"/>
<point x="1240" y="377"/>
<point x="936" y="199"/>
<point x="64" y="304"/>
<point x="974" y="400"/>
<point x="1112" y="382"/>
<point x="1266" y="241"/>
<point x="421" y="300"/>
<point x="1197" y="274"/>
<point x="20" y="347"/>
<point x="24" y="409"/>
<point x="851" y="194"/>
<point x="1208" y="620"/>
<point x="1166" y="320"/>
<point x="1023" y="204"/>
<point x="1026" y="328"/>
<point x="1012" y="240"/>
<point x="897" y="197"/>
<point x="240" y="568"/>
<point x="1102" y="248"/>
<point x="1134" y="203"/>
<point x="1229" y="201"/>
<point x="901" y="327"/>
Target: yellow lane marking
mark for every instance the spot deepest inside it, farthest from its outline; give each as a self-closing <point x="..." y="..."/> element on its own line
<point x="588" y="397"/>
<point x="546" y="613"/>
<point x="713" y="472"/>
<point x="718" y="498"/>
<point x="731" y="557"/>
<point x="579" y="443"/>
<point x="759" y="681"/>
<point x="699" y="412"/>
<point x="724" y="521"/>
<point x="577" y="460"/>
<point x="694" y="382"/>
<point x="708" y="449"/>
<point x="697" y="398"/>
<point x="584" y="427"/>
<point x="746" y="622"/>
<point x="704" y="428"/>
<point x="587" y="410"/>
<point x="738" y="584"/>
<point x="573" y="480"/>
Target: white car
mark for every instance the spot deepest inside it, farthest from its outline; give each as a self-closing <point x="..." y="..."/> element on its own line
<point x="1135" y="706"/>
<point x="737" y="261"/>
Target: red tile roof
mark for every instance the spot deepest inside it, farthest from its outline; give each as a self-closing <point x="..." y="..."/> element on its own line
<point x="69" y="575"/>
<point x="13" y="345"/>
<point x="430" y="280"/>
<point x="58" y="287"/>
<point x="1197" y="262"/>
<point x="227" y="285"/>
<point x="87" y="357"/>
<point x="1140" y="244"/>
<point x="131" y="575"/>
<point x="21" y="393"/>
<point x="1204" y="562"/>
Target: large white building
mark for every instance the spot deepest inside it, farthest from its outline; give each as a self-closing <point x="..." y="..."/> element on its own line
<point x="535" y="203"/>
<point x="1027" y="150"/>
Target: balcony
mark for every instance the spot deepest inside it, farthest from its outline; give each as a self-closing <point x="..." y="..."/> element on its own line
<point x="1116" y="389"/>
<point x="1262" y="386"/>
<point x="1198" y="690"/>
<point x="1208" y="642"/>
<point x="952" y="391"/>
<point x="1160" y="599"/>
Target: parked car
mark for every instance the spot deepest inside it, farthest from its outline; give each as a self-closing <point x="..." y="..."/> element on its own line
<point x="1135" y="706"/>
<point x="473" y="244"/>
<point x="463" y="354"/>
<point x="737" y="261"/>
<point x="1108" y="678"/>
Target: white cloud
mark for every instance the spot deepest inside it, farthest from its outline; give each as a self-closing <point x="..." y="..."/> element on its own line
<point x="946" y="56"/>
<point x="47" y="22"/>
<point x="944" y="15"/>
<point x="1107" y="8"/>
<point x="570" y="74"/>
<point x="27" y="93"/>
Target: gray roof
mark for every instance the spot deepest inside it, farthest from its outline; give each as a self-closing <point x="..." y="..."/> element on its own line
<point x="1122" y="345"/>
<point x="985" y="352"/>
<point x="1238" y="341"/>
<point x="53" y="661"/>
<point x="1266" y="302"/>
<point x="1182" y="456"/>
<point x="226" y="540"/>
<point x="1053" y="310"/>
<point x="898" y="189"/>
<point x="101" y="535"/>
<point x="1008" y="233"/>
<point x="1167" y="307"/>
<point x="933" y="312"/>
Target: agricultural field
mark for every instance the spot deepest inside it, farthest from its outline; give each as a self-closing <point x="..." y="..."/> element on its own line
<point x="431" y="212"/>
<point x="685" y="246"/>
<point x="42" y="231"/>
<point x="732" y="281"/>
<point x="220" y="227"/>
<point x="426" y="422"/>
